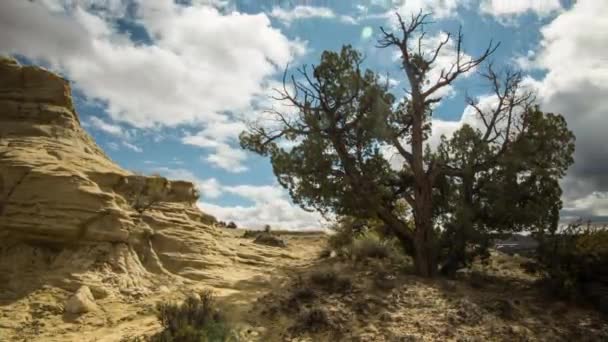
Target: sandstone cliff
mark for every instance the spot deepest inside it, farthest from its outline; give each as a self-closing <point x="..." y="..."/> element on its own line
<point x="65" y="204"/>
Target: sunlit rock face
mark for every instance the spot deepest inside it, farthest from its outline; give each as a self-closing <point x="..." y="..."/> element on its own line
<point x="64" y="205"/>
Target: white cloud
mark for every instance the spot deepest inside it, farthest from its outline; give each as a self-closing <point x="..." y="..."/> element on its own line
<point x="228" y="158"/>
<point x="301" y="12"/>
<point x="132" y="147"/>
<point x="510" y="8"/>
<point x="201" y="64"/>
<point x="271" y="205"/>
<point x="106" y="127"/>
<point x="219" y="137"/>
<point x="438" y="8"/>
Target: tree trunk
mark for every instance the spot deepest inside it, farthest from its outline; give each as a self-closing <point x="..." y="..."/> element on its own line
<point x="425" y="256"/>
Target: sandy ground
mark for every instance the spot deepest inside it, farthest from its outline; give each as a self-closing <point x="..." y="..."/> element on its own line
<point x="384" y="303"/>
<point x="38" y="316"/>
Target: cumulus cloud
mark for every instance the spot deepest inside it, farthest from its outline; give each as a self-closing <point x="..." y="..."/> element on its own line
<point x="301" y="12"/>
<point x="573" y="52"/>
<point x="200" y="64"/>
<point x="438" y="8"/>
<point x="270" y="205"/>
<point x="219" y="138"/>
<point x="510" y="8"/>
<point x="106" y="127"/>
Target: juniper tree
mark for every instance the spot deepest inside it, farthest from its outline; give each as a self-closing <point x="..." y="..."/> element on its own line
<point x="344" y="119"/>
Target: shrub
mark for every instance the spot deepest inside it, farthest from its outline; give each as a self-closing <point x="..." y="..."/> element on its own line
<point x="312" y="320"/>
<point x="195" y="320"/>
<point x="330" y="280"/>
<point x="269" y="240"/>
<point x="574" y="262"/>
<point x="267" y="228"/>
<point x="231" y="225"/>
<point x="371" y="245"/>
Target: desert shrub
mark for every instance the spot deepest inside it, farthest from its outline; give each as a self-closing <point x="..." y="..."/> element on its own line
<point x="269" y="240"/>
<point x="195" y="320"/>
<point x="360" y="240"/>
<point x="314" y="319"/>
<point x="371" y="245"/>
<point x="574" y="263"/>
<point x="330" y="280"/>
<point x="231" y="225"/>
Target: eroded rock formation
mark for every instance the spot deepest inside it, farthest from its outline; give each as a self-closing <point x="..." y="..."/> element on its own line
<point x="67" y="210"/>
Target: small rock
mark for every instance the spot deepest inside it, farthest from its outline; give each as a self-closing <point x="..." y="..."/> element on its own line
<point x="81" y="302"/>
<point x="371" y="328"/>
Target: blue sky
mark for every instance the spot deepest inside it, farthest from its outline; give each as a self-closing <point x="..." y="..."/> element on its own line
<point x="165" y="87"/>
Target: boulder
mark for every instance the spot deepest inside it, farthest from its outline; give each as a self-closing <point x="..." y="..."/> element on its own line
<point x="81" y="302"/>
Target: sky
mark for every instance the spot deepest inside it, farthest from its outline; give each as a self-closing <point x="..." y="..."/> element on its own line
<point x="167" y="86"/>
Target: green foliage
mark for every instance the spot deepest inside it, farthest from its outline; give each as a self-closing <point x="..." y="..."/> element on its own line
<point x="574" y="261"/>
<point x="518" y="191"/>
<point x="312" y="170"/>
<point x="196" y="320"/>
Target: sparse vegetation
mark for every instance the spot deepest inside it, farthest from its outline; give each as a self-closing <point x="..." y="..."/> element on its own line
<point x="329" y="279"/>
<point x="195" y="320"/>
<point x="269" y="240"/>
<point x="312" y="320"/>
<point x="574" y="261"/>
<point x="231" y="225"/>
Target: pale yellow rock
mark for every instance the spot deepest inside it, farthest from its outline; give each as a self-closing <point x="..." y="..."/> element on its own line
<point x="59" y="189"/>
<point x="81" y="302"/>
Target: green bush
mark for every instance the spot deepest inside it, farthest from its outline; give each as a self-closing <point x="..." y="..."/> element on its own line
<point x="195" y="320"/>
<point x="574" y="263"/>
